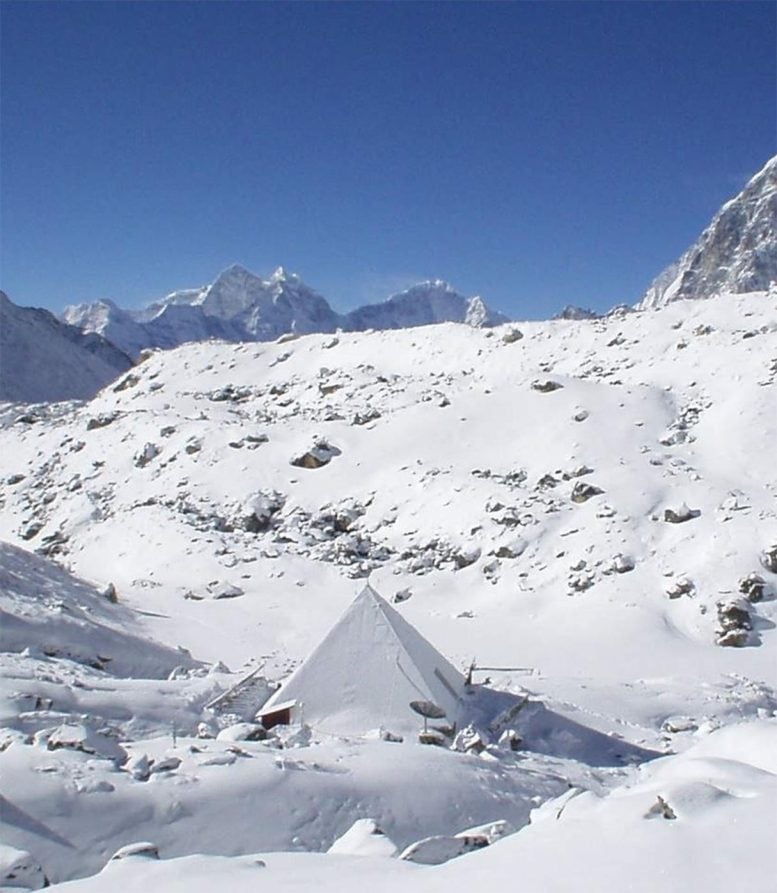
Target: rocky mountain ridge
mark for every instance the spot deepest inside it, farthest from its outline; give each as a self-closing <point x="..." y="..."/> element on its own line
<point x="736" y="253"/>
<point x="43" y="359"/>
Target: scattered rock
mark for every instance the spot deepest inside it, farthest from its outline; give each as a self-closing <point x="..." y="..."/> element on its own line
<point x="681" y="586"/>
<point x="14" y="479"/>
<point x="102" y="420"/>
<point x="510" y="740"/>
<point x="129" y="381"/>
<point x="734" y="623"/>
<point x="675" y="724"/>
<point x="364" y="418"/>
<point x="660" y="809"/>
<point x="582" y="492"/>
<point x="149" y="452"/>
<point x="320" y="454"/>
<point x="193" y="445"/>
<point x="546" y="386"/>
<point x="258" y="512"/>
<point x="512" y="549"/>
<point x="680" y="514"/>
<point x="621" y="564"/>
<point x="109" y="593"/>
<point x="753" y="587"/>
<point x="139" y="766"/>
<point x="243" y="731"/>
<point x="168" y="764"/>
<point x="769" y="558"/>
<point x="577" y="472"/>
<point x="230" y="394"/>
<point x="511" y="336"/>
<point x="31" y="530"/>
<point x="224" y="590"/>
<point x="19" y="869"/>
<point x="439" y="849"/>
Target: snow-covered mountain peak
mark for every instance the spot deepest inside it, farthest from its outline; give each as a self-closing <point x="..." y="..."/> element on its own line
<point x="281" y="274"/>
<point x="736" y="253"/>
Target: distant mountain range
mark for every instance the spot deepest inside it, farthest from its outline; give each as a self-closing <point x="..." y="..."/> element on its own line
<point x="45" y="359"/>
<point x="736" y="253"/>
<point x="241" y="306"/>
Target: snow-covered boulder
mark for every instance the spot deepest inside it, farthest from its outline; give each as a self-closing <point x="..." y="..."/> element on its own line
<point x="80" y="737"/>
<point x="141" y="850"/>
<point x="364" y="838"/>
<point x="19" y="869"/>
<point x="680" y="513"/>
<point x="734" y="623"/>
<point x="242" y="731"/>
<point x="321" y="453"/>
<point x="440" y="848"/>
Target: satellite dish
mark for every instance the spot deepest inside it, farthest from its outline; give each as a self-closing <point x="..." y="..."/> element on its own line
<point x="427" y="709"/>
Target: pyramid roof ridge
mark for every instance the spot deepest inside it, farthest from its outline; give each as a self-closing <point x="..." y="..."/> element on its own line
<point x="368" y="667"/>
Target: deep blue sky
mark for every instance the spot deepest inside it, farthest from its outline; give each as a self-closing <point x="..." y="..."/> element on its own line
<point x="536" y="153"/>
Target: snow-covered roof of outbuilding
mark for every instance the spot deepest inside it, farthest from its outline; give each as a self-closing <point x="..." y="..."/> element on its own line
<point x="367" y="670"/>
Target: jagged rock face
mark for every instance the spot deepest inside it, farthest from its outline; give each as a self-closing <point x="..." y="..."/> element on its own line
<point x="241" y="306"/>
<point x="43" y="359"/>
<point x="572" y="312"/>
<point x="736" y="253"/>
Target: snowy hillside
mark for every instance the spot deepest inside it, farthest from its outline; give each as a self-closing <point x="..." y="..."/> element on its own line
<point x="585" y="509"/>
<point x="241" y="306"/>
<point x="736" y="253"/>
<point x="42" y="359"/>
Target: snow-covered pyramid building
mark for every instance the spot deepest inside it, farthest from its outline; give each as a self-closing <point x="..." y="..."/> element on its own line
<point x="364" y="675"/>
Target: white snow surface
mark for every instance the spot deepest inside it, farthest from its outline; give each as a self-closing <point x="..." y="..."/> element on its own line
<point x="508" y="520"/>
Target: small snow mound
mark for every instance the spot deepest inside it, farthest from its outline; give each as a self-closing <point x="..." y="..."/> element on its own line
<point x="142" y="849"/>
<point x="364" y="838"/>
<point x="19" y="869"/>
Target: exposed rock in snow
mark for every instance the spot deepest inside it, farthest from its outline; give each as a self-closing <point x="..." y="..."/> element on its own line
<point x="321" y="453"/>
<point x="680" y="513"/>
<point x="734" y="623"/>
<point x="769" y="558"/>
<point x="572" y="312"/>
<point x="546" y="386"/>
<point x="19" y="869"/>
<point x="753" y="587"/>
<point x="736" y="253"/>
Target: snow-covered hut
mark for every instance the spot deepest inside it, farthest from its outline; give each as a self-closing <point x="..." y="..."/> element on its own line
<point x="364" y="675"/>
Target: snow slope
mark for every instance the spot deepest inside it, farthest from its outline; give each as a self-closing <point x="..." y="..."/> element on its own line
<point x="42" y="359"/>
<point x="518" y="495"/>
<point x="699" y="821"/>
